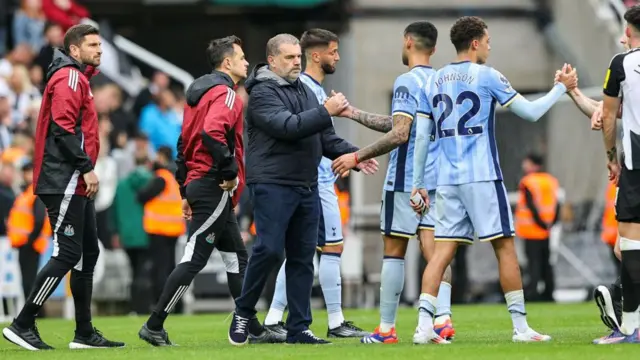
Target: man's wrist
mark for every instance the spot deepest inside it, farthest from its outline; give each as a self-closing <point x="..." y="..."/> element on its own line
<point x="355" y="155"/>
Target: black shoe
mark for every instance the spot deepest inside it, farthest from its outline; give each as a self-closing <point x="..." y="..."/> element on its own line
<point x="267" y="337"/>
<point x="155" y="338"/>
<point x="347" y="330"/>
<point x="603" y="299"/>
<point x="239" y="330"/>
<point x="307" y="338"/>
<point x="278" y="329"/>
<point x="25" y="338"/>
<point x="94" y="341"/>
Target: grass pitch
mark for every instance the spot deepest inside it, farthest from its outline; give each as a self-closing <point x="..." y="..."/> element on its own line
<point x="483" y="332"/>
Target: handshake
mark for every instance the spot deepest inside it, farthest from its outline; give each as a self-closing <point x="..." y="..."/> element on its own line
<point x="338" y="105"/>
<point x="567" y="76"/>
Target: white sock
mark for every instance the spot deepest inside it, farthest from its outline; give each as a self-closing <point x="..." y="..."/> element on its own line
<point x="279" y="302"/>
<point x="274" y="316"/>
<point x="335" y="319"/>
<point x="426" y="311"/>
<point x="515" y="305"/>
<point x="630" y="322"/>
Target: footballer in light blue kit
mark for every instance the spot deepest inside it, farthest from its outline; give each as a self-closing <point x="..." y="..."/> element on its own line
<point x="472" y="201"/>
<point x="321" y="51"/>
<point x="398" y="221"/>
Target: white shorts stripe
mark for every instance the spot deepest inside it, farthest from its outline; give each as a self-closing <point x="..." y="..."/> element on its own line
<point x="64" y="206"/>
<point x="191" y="243"/>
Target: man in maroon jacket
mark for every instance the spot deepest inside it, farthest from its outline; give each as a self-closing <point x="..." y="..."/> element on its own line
<point x="66" y="150"/>
<point x="211" y="177"/>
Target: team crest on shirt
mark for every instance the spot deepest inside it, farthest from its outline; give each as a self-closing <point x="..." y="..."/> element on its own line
<point x="210" y="238"/>
<point x="69" y="231"/>
<point x="506" y="83"/>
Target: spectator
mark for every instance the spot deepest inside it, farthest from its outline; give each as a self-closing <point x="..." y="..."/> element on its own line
<point x="28" y="24"/>
<point x="108" y="100"/>
<point x="161" y="123"/>
<point x="130" y="235"/>
<point x="128" y="151"/>
<point x="159" y="82"/>
<point x="20" y="55"/>
<point x="7" y="195"/>
<point x="21" y="150"/>
<point x="5" y="117"/>
<point x="36" y="76"/>
<point x="53" y="37"/>
<point x="66" y="13"/>
<point x="23" y="93"/>
<point x="107" y="170"/>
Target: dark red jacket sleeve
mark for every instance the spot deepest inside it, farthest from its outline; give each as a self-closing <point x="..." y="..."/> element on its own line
<point x="217" y="134"/>
<point x="66" y="100"/>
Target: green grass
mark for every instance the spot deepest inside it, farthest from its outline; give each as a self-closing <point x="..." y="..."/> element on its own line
<point x="483" y="332"/>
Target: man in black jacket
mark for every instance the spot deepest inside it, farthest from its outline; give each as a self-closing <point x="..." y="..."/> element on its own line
<point x="289" y="132"/>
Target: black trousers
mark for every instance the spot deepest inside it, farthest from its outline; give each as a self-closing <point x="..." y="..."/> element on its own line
<point x="75" y="249"/>
<point x="141" y="296"/>
<point x="29" y="260"/>
<point x="287" y="219"/>
<point x="539" y="269"/>
<point x="162" y="252"/>
<point x="213" y="225"/>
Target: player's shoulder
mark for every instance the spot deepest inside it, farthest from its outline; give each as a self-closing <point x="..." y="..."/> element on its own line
<point x="618" y="59"/>
<point x="310" y="82"/>
<point x="71" y="76"/>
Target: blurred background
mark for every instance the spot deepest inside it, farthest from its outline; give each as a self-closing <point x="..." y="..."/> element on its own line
<point x="153" y="49"/>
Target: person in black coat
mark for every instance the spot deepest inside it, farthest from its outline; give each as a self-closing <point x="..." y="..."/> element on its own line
<point x="289" y="132"/>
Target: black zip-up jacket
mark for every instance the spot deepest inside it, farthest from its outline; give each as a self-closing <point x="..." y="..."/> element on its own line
<point x="289" y="131"/>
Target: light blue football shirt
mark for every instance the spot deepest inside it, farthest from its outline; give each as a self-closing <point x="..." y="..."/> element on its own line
<point x="462" y="98"/>
<point x="326" y="177"/>
<point x="406" y="96"/>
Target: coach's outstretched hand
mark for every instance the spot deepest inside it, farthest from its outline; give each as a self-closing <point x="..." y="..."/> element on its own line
<point x="368" y="167"/>
<point x="336" y="104"/>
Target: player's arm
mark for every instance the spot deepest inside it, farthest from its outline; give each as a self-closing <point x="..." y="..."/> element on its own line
<point x="586" y="105"/>
<point x="377" y="122"/>
<point x="501" y="90"/>
<point x="611" y="103"/>
<point x="404" y="106"/>
<point x="66" y="101"/>
<point x="218" y="121"/>
<point x="424" y="125"/>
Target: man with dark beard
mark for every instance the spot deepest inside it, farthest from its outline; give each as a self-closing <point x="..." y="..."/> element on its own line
<point x="321" y="53"/>
<point x="66" y="149"/>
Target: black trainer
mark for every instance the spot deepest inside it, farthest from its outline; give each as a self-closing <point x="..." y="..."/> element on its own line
<point x="347" y="330"/>
<point x="94" y="341"/>
<point x="267" y="337"/>
<point x="25" y="338"/>
<point x="307" y="338"/>
<point x="278" y="329"/>
<point x="155" y="338"/>
<point x="239" y="330"/>
<point x="604" y="298"/>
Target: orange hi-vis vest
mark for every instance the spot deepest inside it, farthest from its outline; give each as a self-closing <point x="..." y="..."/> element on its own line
<point x="21" y="221"/>
<point x="544" y="190"/>
<point x="609" y="224"/>
<point x="163" y="214"/>
<point x="343" y="204"/>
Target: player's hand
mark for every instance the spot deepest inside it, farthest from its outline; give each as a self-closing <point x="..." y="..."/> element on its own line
<point x="343" y="164"/>
<point x="614" y="171"/>
<point x="93" y="185"/>
<point x="336" y="104"/>
<point x="368" y="167"/>
<point x="229" y="185"/>
<point x="186" y="210"/>
<point x="348" y="111"/>
<point x="422" y="206"/>
<point x="569" y="77"/>
<point x="596" y="118"/>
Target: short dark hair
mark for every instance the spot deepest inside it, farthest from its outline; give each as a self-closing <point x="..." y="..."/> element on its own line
<point x="317" y="37"/>
<point x="535" y="158"/>
<point x="219" y="49"/>
<point x="75" y="35"/>
<point x="465" y="30"/>
<point x="166" y="152"/>
<point x="632" y="16"/>
<point x="424" y="33"/>
<point x="48" y="26"/>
